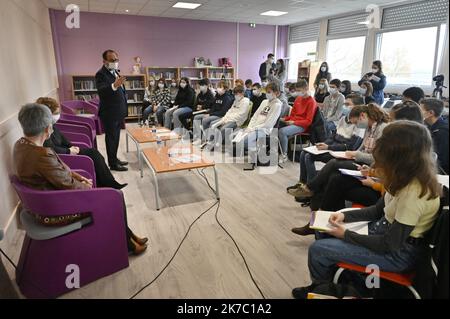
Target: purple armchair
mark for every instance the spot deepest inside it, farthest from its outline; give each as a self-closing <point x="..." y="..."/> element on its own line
<point x="73" y="107"/>
<point x="96" y="245"/>
<point x="93" y="134"/>
<point x="80" y="140"/>
<point x="80" y="162"/>
<point x="79" y="129"/>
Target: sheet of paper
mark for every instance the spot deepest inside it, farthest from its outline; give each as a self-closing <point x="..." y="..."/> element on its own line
<point x="356" y="174"/>
<point x="167" y="134"/>
<point x="443" y="180"/>
<point x="340" y="155"/>
<point x="190" y="158"/>
<point x="313" y="150"/>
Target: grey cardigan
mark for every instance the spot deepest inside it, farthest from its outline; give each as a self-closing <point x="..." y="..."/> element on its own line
<point x="362" y="156"/>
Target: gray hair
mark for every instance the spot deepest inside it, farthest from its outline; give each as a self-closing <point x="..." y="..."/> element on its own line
<point x="34" y="119"/>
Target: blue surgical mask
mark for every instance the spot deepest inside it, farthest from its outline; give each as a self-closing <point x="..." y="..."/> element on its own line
<point x="362" y="91"/>
<point x="270" y="96"/>
<point x="364" y="124"/>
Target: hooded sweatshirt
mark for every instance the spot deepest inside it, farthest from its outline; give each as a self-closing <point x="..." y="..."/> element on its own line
<point x="238" y="113"/>
<point x="221" y="105"/>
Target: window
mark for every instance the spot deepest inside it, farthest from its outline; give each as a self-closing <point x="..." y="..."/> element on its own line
<point x="408" y="56"/>
<point x="345" y="58"/>
<point x="298" y="53"/>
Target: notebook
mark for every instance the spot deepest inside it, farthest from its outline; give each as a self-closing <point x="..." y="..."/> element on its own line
<point x="313" y="150"/>
<point x="443" y="180"/>
<point x="190" y="158"/>
<point x="349" y="172"/>
<point x="320" y="221"/>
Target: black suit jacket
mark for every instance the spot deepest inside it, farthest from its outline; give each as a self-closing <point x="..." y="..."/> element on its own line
<point x="58" y="142"/>
<point x="113" y="104"/>
<point x="263" y="70"/>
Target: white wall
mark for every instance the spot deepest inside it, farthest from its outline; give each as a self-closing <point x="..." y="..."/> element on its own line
<point x="28" y="68"/>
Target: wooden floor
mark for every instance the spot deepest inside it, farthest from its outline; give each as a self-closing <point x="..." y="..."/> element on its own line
<point x="254" y="208"/>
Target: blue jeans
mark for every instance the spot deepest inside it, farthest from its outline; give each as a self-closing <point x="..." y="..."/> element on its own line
<point x="308" y="168"/>
<point x="159" y="113"/>
<point x="324" y="254"/>
<point x="286" y="132"/>
<point x="226" y="131"/>
<point x="177" y="124"/>
<point x="197" y="126"/>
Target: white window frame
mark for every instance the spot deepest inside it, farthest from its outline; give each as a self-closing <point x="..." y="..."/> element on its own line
<point x="399" y="88"/>
<point x="289" y="54"/>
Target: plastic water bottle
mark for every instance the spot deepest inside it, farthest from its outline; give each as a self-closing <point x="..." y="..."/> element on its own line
<point x="153" y="129"/>
<point x="158" y="143"/>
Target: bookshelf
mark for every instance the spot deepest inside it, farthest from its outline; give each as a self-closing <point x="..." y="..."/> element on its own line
<point x="307" y="70"/>
<point x="195" y="74"/>
<point x="84" y="88"/>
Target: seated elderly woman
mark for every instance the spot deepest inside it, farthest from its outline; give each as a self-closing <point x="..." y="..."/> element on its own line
<point x="61" y="145"/>
<point x="40" y="168"/>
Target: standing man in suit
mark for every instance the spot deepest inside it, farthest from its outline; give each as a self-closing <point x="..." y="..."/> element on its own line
<point x="113" y="106"/>
<point x="267" y="67"/>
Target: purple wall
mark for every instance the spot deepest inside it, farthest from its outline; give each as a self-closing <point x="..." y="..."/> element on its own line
<point x="159" y="41"/>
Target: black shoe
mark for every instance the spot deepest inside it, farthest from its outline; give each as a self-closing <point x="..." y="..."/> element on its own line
<point x="122" y="163"/>
<point x="119" y="186"/>
<point x="118" y="168"/>
<point x="303" y="231"/>
<point x="302" y="292"/>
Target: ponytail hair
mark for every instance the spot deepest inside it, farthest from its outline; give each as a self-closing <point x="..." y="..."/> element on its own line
<point x="373" y="111"/>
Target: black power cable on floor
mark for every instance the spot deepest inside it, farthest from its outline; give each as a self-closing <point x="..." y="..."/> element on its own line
<point x="202" y="174"/>
<point x="176" y="251"/>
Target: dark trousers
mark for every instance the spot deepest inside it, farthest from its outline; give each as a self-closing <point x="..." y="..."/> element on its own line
<point x="319" y="183"/>
<point x="184" y="118"/>
<point x="112" y="139"/>
<point x="341" y="188"/>
<point x="102" y="172"/>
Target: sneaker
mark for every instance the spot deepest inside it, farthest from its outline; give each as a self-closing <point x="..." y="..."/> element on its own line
<point x="302" y="191"/>
<point x="294" y="186"/>
<point x="203" y="145"/>
<point x="282" y="159"/>
<point x="197" y="142"/>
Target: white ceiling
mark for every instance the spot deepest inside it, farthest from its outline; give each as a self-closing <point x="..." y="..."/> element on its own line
<point x="244" y="11"/>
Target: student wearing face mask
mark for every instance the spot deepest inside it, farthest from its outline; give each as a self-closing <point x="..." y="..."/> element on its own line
<point x="432" y="111"/>
<point x="257" y="97"/>
<point x="323" y="74"/>
<point x="322" y="91"/>
<point x="113" y="106"/>
<point x="184" y="104"/>
<point x="205" y="100"/>
<point x="160" y="102"/>
<point x="173" y="90"/>
<point x="248" y="88"/>
<point x="264" y="83"/>
<point x="148" y="97"/>
<point x="236" y="116"/>
<point x="346" y="88"/>
<point x="261" y="123"/>
<point x="371" y="118"/>
<point x="333" y="106"/>
<point x="222" y="103"/>
<point x="299" y="120"/>
<point x="378" y="80"/>
<point x="292" y="95"/>
<point x="366" y="90"/>
<point x="415" y="94"/>
<point x="267" y="66"/>
<point x="279" y="75"/>
<point x="61" y="145"/>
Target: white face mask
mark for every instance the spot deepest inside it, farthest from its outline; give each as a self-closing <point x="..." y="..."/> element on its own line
<point x="362" y="91"/>
<point x="161" y="86"/>
<point x="182" y="85"/>
<point x="333" y="91"/>
<point x="343" y="89"/>
<point x="203" y="88"/>
<point x="113" y="66"/>
<point x="323" y="69"/>
<point x="294" y="94"/>
<point x="220" y="91"/>
<point x="152" y="83"/>
<point x="238" y="98"/>
<point x="321" y="86"/>
<point x="256" y="92"/>
<point x="264" y="84"/>
<point x="56" y="118"/>
<point x="174" y="85"/>
<point x="301" y="94"/>
<point x="374" y="70"/>
<point x="270" y="96"/>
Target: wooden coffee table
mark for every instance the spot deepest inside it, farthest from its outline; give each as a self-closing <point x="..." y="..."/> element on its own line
<point x="144" y="135"/>
<point x="163" y="160"/>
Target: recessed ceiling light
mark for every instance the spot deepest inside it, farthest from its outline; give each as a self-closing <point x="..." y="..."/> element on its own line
<point x="127" y="10"/>
<point x="186" y="5"/>
<point x="273" y="13"/>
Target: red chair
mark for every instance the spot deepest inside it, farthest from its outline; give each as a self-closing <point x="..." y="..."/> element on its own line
<point x="404" y="280"/>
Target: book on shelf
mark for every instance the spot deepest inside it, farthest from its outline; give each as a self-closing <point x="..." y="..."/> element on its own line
<point x="84" y="85"/>
<point x="160" y="75"/>
<point x="135" y="85"/>
<point x="86" y="97"/>
<point x="135" y="97"/>
<point x="133" y="111"/>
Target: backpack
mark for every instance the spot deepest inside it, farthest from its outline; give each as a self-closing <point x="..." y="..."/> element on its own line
<point x="317" y="130"/>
